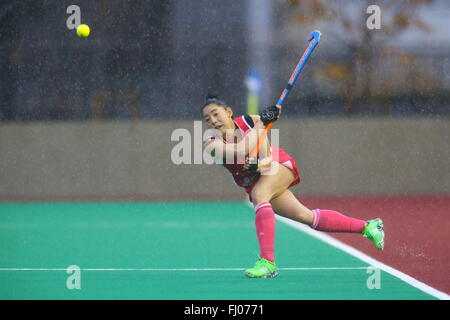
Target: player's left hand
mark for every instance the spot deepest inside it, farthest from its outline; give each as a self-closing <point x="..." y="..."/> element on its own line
<point x="270" y="114"/>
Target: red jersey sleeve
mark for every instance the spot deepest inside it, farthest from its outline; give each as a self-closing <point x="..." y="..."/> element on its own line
<point x="244" y="123"/>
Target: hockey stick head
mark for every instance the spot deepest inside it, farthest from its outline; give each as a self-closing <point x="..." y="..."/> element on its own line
<point x="315" y="35"/>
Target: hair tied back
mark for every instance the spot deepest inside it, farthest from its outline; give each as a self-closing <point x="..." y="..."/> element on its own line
<point x="212" y="96"/>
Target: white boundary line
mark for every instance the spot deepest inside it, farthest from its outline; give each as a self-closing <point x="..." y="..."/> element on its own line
<point x="364" y="257"/>
<point x="175" y="269"/>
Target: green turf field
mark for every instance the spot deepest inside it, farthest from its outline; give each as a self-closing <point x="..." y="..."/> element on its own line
<point x="176" y="250"/>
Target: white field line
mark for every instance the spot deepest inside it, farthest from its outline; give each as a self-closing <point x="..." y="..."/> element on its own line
<point x="175" y="269"/>
<point x="364" y="257"/>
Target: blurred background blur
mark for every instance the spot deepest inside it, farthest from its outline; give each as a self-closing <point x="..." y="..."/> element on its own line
<point x="158" y="59"/>
<point x="94" y="116"/>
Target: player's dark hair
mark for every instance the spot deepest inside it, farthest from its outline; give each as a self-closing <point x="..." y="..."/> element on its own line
<point x="213" y="98"/>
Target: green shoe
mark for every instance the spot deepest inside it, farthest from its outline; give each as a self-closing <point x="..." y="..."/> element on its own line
<point x="262" y="269"/>
<point x="374" y="232"/>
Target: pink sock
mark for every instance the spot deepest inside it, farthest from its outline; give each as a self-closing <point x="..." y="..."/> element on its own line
<point x="265" y="230"/>
<point x="333" y="221"/>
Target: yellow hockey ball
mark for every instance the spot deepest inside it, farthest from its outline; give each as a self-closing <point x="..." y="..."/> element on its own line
<point x="83" y="31"/>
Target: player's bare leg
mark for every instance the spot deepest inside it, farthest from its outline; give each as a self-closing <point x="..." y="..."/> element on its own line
<point x="272" y="183"/>
<point x="287" y="205"/>
<point x="269" y="185"/>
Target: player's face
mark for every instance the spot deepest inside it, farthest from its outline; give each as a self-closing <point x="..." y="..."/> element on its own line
<point x="218" y="117"/>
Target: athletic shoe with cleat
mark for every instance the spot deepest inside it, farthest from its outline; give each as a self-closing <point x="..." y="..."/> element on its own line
<point x="375" y="233"/>
<point x="262" y="269"/>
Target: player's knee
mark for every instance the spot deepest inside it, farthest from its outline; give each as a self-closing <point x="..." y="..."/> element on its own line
<point x="259" y="195"/>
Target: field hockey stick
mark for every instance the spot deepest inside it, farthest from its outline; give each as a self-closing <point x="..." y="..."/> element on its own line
<point x="313" y="39"/>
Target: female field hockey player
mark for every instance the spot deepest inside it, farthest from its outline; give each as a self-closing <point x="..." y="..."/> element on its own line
<point x="267" y="181"/>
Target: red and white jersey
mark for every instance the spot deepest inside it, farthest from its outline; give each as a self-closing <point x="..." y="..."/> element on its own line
<point x="236" y="166"/>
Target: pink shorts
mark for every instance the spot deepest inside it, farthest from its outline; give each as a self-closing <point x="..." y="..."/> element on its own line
<point x="280" y="156"/>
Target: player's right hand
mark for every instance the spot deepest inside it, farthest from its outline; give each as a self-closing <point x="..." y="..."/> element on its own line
<point x="251" y="165"/>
